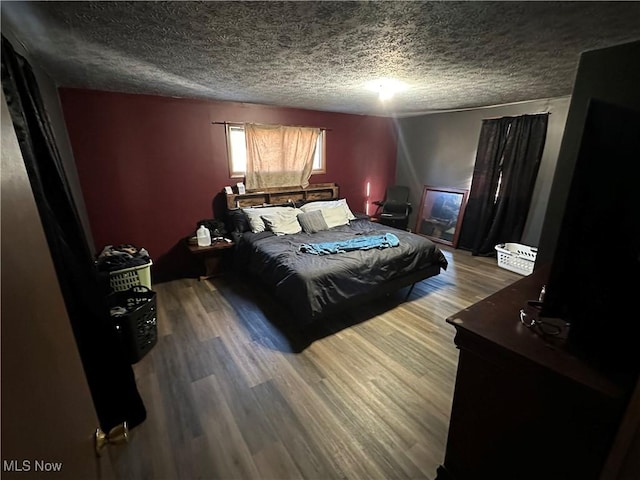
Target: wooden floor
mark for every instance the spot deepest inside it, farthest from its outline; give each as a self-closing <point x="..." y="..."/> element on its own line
<point x="233" y="392"/>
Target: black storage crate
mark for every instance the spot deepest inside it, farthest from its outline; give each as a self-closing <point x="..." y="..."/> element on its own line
<point x="134" y="314"/>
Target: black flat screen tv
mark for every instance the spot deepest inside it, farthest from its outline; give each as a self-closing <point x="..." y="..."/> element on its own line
<point x="594" y="280"/>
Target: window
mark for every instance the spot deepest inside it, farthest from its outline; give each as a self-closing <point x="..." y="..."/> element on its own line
<point x="237" y="151"/>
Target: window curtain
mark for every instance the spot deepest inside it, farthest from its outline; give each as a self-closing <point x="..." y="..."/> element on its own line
<point x="109" y="375"/>
<point x="279" y="156"/>
<point x="507" y="163"/>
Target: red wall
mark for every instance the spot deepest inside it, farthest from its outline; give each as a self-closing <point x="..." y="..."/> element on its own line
<point x="151" y="166"/>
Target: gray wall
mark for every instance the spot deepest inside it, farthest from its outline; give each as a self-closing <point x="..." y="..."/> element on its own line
<point x="440" y="149"/>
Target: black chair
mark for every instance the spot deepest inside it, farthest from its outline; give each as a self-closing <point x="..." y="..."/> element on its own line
<point x="394" y="210"/>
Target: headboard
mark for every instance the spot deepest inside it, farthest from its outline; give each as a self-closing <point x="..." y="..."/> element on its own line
<point x="315" y="191"/>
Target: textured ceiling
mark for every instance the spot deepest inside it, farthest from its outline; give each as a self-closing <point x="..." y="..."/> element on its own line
<point x="319" y="55"/>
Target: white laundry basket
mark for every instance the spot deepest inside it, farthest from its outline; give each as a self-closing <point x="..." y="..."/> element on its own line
<point x="516" y="257"/>
<point x="126" y="278"/>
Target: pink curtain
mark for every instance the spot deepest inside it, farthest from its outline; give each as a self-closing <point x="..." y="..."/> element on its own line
<point x="279" y="156"/>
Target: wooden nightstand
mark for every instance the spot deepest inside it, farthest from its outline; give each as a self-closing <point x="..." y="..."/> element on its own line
<point x="214" y="257"/>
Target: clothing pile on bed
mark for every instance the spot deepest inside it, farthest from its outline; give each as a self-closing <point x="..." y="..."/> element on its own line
<point x="385" y="240"/>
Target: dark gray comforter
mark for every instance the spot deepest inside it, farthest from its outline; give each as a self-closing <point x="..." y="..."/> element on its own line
<point x="310" y="284"/>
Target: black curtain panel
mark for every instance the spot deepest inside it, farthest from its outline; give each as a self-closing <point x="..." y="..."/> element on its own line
<point x="502" y="202"/>
<point x="486" y="177"/>
<point x="522" y="155"/>
<point x="109" y="375"/>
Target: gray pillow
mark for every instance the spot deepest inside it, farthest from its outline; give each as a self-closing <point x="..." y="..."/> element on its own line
<point x="312" y="222"/>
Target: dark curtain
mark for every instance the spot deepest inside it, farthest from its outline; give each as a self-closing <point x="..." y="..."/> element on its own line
<point x="507" y="162"/>
<point x="486" y="174"/>
<point x="109" y="375"/>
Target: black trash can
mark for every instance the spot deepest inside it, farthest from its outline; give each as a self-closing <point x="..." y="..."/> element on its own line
<point x="134" y="316"/>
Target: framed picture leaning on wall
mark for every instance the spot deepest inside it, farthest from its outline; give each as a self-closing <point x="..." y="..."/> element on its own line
<point x="440" y="214"/>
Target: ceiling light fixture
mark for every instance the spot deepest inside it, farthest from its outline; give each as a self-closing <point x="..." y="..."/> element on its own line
<point x="386" y="87"/>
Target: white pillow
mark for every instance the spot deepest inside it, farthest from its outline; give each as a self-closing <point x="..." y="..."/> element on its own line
<point x="283" y="223"/>
<point x="307" y="207"/>
<point x="253" y="215"/>
<point x="335" y="216"/>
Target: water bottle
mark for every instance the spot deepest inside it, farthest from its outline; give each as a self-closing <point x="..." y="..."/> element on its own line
<point x="204" y="236"/>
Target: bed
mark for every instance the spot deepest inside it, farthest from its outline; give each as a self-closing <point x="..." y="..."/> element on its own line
<point x="314" y="285"/>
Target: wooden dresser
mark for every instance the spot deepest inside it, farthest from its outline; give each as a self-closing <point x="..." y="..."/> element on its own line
<point x="525" y="407"/>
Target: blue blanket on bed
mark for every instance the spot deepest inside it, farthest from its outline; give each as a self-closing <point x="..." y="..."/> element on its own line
<point x="361" y="243"/>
